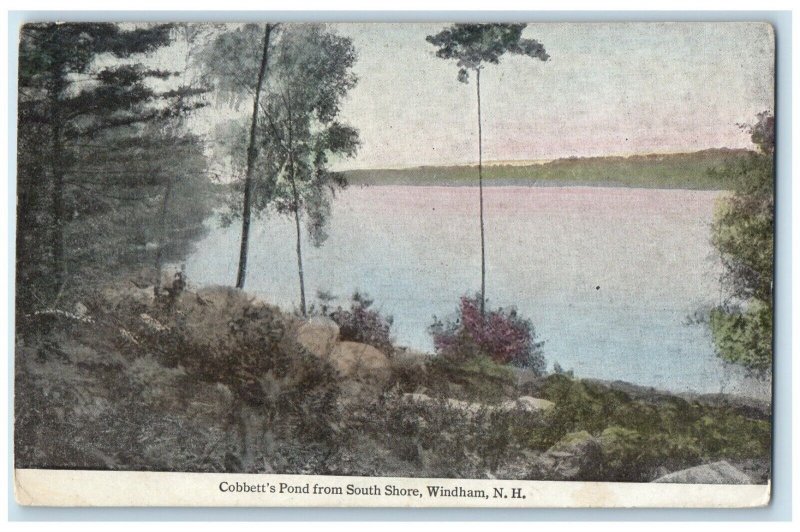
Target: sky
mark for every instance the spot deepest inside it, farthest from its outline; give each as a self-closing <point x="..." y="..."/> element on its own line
<point x="607" y="89"/>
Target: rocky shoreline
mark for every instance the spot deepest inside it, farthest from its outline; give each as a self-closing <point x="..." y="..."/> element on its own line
<point x="219" y="381"/>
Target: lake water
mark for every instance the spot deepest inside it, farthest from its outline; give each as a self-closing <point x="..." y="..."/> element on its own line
<point x="608" y="276"/>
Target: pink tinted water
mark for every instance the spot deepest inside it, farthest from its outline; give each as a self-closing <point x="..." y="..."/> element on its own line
<point x="608" y="276"/>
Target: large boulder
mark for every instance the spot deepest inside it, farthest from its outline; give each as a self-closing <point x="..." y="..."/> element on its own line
<point x="716" y="473"/>
<point x="360" y="361"/>
<point x="527" y="403"/>
<point x="466" y="407"/>
<point x="577" y="456"/>
<point x="319" y="335"/>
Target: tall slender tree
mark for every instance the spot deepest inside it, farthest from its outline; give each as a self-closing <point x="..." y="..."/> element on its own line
<point x="312" y="74"/>
<point x="473" y="46"/>
<point x="237" y="62"/>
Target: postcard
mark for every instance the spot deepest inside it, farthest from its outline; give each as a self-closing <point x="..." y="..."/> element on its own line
<point x="394" y="264"/>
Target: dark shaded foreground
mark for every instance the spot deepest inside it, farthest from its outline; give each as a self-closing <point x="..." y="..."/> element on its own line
<point x="215" y="381"/>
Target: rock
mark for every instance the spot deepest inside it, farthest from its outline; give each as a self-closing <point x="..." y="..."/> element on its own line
<point x="417" y="397"/>
<point x="56" y="313"/>
<point x="577" y="456"/>
<point x="361" y="361"/>
<point x="516" y="467"/>
<point x="81" y="310"/>
<point x="528" y="404"/>
<point x="465" y="406"/>
<point x="129" y="294"/>
<point x="758" y="469"/>
<point x="152" y="323"/>
<point x="716" y="473"/>
<point x="453" y="404"/>
<point x="319" y="335"/>
<point x="215" y="299"/>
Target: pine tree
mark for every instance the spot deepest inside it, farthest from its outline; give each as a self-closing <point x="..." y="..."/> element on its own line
<point x="474" y="46"/>
<point x="86" y="101"/>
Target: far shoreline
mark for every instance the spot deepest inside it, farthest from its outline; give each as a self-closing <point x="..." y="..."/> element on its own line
<point x="701" y="170"/>
<point x="553" y="184"/>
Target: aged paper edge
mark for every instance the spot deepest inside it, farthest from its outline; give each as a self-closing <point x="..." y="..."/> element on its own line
<point x="43" y="487"/>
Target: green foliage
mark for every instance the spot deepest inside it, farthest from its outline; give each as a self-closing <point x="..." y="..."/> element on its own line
<point x="98" y="146"/>
<point x="621" y="448"/>
<point x="668" y="432"/>
<point x="744" y="226"/>
<point x="311" y="74"/>
<point x="629" y="456"/>
<point x="220" y="335"/>
<point x="436" y="440"/>
<point x="285" y="149"/>
<point x="678" y="170"/>
<point x="472" y="45"/>
<point x="744" y="336"/>
<point x="475" y="379"/>
<point x="230" y="61"/>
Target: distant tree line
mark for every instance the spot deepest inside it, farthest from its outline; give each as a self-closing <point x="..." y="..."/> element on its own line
<point x="112" y="180"/>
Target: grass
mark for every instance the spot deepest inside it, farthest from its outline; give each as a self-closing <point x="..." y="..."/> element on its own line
<point x="680" y="170"/>
<point x="215" y="382"/>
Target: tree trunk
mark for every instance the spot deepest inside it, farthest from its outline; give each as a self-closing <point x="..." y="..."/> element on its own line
<point x="480" y="193"/>
<point x="162" y="238"/>
<point x="296" y="208"/>
<point x="251" y="160"/>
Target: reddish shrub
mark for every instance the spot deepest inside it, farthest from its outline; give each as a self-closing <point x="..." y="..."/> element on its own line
<point x="364" y="324"/>
<point x="500" y="335"/>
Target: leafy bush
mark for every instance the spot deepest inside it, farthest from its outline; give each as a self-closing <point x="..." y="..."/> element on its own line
<point x="436" y="440"/>
<point x="500" y="335"/>
<point x="558" y="370"/>
<point x="743" y="234"/>
<point x="667" y="431"/>
<point x="213" y="382"/>
<point x="623" y="454"/>
<point x="744" y="336"/>
<point x="221" y="336"/>
<point x="364" y="324"/>
<point x="476" y="379"/>
<point x="630" y="456"/>
<point x="216" y="382"/>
